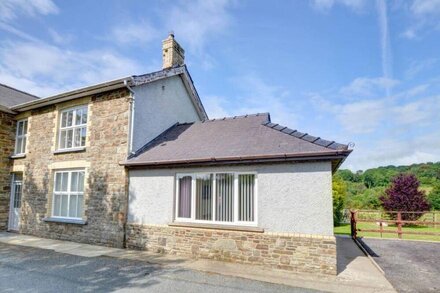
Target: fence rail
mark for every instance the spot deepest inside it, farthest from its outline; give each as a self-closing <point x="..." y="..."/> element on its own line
<point x="393" y="217"/>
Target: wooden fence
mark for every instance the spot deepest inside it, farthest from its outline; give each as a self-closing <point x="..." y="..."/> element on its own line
<point x="399" y="218"/>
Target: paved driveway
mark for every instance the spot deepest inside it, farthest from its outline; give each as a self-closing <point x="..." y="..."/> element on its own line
<point x="25" y="269"/>
<point x="411" y="266"/>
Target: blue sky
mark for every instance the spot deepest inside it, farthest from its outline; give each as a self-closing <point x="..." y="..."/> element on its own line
<point x="357" y="71"/>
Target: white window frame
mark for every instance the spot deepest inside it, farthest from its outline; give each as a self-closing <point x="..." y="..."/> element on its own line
<point x="73" y="127"/>
<point x="21" y="136"/>
<point x="68" y="192"/>
<point x="235" y="222"/>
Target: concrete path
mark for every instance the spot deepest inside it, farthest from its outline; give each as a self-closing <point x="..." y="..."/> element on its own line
<point x="355" y="270"/>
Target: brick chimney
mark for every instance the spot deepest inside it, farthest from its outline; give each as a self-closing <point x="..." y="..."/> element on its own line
<point x="172" y="53"/>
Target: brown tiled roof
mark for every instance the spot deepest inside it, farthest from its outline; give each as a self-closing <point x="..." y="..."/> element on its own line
<point x="249" y="138"/>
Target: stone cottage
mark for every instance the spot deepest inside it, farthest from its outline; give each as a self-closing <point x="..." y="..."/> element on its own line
<point x="135" y="162"/>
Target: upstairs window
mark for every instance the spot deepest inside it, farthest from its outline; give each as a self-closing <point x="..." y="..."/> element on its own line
<point x="219" y="198"/>
<point x="73" y="128"/>
<point x="21" y="137"/>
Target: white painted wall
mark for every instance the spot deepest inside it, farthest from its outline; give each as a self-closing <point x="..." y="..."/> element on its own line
<point x="159" y="105"/>
<point x="295" y="198"/>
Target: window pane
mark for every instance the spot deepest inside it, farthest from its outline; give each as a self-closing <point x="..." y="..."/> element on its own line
<point x="69" y="139"/>
<point x="64" y="119"/>
<point x="69" y="118"/>
<point x="20" y="128"/>
<point x="23" y="145"/>
<point x="81" y="181"/>
<point x="19" y="145"/>
<point x="63" y="139"/>
<point x="72" y="206"/>
<point x="204" y="197"/>
<point x="25" y="123"/>
<point x="64" y="181"/>
<point x="58" y="180"/>
<point x="84" y="116"/>
<point x="184" y="210"/>
<point x="225" y="197"/>
<point x="246" y="184"/>
<point x="64" y="204"/>
<point x="83" y="136"/>
<point x="77" y="136"/>
<point x="56" y="205"/>
<point x="78" y="114"/>
<point x="74" y="181"/>
<point x="17" y="195"/>
<point x="79" y="213"/>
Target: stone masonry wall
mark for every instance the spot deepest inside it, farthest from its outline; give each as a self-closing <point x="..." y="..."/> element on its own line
<point x="7" y="134"/>
<point x="105" y="194"/>
<point x="290" y="252"/>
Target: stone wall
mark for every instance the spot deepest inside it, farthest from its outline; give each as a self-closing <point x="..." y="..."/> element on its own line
<point x="284" y="251"/>
<point x="7" y="134"/>
<point x="105" y="194"/>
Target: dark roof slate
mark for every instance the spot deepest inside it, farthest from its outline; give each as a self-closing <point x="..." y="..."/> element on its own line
<point x="10" y="97"/>
<point x="235" y="138"/>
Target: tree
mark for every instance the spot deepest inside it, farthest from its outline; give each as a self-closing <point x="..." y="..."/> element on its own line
<point x="339" y="194"/>
<point x="434" y="197"/>
<point x="404" y="195"/>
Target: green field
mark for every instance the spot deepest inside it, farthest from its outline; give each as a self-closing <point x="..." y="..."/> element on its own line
<point x="344" y="229"/>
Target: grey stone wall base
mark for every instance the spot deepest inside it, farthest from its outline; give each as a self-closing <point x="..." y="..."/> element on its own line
<point x="277" y="251"/>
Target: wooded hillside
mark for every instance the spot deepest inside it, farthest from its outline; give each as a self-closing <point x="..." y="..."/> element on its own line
<point x="365" y="187"/>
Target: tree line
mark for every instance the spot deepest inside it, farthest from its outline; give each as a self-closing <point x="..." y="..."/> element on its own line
<point x="371" y="189"/>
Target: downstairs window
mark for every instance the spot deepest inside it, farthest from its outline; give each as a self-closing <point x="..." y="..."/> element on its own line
<point x="218" y="198"/>
<point x="68" y="195"/>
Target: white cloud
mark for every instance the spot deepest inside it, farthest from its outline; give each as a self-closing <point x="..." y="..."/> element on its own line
<point x="325" y="5"/>
<point x="11" y="9"/>
<point x="422" y="111"/>
<point x="215" y="107"/>
<point x="419" y="66"/>
<point x="365" y="86"/>
<point x="361" y="117"/>
<point x="195" y="22"/>
<point x="138" y="33"/>
<point x="425" y="17"/>
<point x="394" y="151"/>
<point x="44" y="69"/>
<point x="425" y="7"/>
<point x="60" y="39"/>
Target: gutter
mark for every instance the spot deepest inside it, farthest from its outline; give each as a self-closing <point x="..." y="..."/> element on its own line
<point x="339" y="155"/>
<point x="6" y="110"/>
<point x="78" y="93"/>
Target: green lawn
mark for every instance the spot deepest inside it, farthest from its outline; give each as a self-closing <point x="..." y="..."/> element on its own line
<point x="344" y="229"/>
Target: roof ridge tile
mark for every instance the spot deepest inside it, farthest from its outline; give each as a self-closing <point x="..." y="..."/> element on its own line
<point x="306" y="137"/>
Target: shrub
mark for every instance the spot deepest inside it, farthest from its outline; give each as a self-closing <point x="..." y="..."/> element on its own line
<point x="339" y="194"/>
<point x="404" y="195"/>
<point x="434" y="197"/>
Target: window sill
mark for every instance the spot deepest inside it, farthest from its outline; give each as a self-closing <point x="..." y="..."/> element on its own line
<point x="19" y="156"/>
<point x="217" y="227"/>
<point x="65" y="221"/>
<point x="73" y="150"/>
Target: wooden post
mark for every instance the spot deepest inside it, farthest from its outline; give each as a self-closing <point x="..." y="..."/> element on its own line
<point x="399" y="225"/>
<point x="381" y="227"/>
<point x="353" y="224"/>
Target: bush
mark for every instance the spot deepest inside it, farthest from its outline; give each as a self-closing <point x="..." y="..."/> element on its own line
<point x="434" y="197"/>
<point x="339" y="194"/>
<point x="404" y="195"/>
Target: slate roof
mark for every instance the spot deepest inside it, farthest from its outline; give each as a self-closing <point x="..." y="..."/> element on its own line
<point x="243" y="138"/>
<point x="10" y="97"/>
